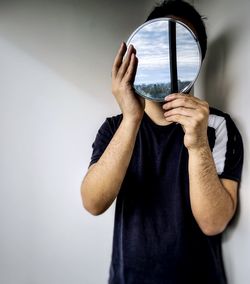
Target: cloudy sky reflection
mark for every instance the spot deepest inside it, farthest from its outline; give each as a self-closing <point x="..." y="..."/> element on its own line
<point x="152" y="45"/>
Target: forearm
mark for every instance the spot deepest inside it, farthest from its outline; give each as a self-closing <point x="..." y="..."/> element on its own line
<point x="102" y="183"/>
<point x="211" y="204"/>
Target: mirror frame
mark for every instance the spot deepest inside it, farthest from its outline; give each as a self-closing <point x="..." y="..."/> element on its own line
<point x="188" y="88"/>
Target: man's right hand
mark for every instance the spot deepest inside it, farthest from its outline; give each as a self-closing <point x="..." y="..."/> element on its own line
<point x="104" y="179"/>
<point x="123" y="75"/>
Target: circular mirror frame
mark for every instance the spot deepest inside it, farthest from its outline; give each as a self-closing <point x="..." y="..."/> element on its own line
<point x="167" y="19"/>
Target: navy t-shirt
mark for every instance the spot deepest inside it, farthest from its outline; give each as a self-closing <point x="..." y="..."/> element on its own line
<point x="156" y="238"/>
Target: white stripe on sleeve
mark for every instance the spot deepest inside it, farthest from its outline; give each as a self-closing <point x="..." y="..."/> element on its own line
<point x="221" y="138"/>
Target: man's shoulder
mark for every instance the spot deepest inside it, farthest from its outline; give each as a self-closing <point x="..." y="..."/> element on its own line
<point x="114" y="118"/>
<point x="111" y="123"/>
<point x="218" y="112"/>
<point x="218" y="117"/>
<point x="114" y="121"/>
<point x="220" y="120"/>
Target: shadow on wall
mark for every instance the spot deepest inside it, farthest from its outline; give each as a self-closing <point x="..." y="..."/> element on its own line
<point x="217" y="89"/>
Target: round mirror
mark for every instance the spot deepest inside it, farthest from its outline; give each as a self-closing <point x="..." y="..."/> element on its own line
<point x="169" y="58"/>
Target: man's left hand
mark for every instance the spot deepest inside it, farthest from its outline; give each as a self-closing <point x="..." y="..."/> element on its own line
<point x="192" y="113"/>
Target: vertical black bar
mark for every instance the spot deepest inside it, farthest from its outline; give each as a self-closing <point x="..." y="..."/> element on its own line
<point x="172" y="56"/>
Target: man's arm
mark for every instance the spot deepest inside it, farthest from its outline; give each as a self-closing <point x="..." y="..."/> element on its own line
<point x="104" y="178"/>
<point x="213" y="201"/>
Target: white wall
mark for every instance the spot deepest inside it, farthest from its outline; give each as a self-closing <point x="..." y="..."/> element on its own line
<point x="55" y="64"/>
<point x="224" y="82"/>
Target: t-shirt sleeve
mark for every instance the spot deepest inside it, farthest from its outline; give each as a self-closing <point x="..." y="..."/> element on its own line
<point x="228" y="150"/>
<point x="102" y="139"/>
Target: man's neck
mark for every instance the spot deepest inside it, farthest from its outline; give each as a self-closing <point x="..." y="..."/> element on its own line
<point x="156" y="113"/>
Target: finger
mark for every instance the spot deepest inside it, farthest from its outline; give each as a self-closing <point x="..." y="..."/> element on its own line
<point x="124" y="66"/>
<point x="118" y="59"/>
<point x="175" y="95"/>
<point x="188" y="96"/>
<point x="185" y="121"/>
<point x="178" y="118"/>
<point x="132" y="68"/>
<point x="180" y="101"/>
<point x="180" y="111"/>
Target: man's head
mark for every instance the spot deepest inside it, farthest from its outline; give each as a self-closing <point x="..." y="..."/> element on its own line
<point x="185" y="12"/>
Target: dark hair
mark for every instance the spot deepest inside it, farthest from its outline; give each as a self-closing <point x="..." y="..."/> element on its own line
<point x="185" y="11"/>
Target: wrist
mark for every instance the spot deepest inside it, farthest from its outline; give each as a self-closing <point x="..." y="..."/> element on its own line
<point x="130" y="126"/>
<point x="199" y="149"/>
<point x="132" y="120"/>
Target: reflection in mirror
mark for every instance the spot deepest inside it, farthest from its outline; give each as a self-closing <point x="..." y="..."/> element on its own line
<point x="169" y="58"/>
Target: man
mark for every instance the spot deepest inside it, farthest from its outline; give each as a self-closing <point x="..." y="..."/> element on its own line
<point x="174" y="168"/>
